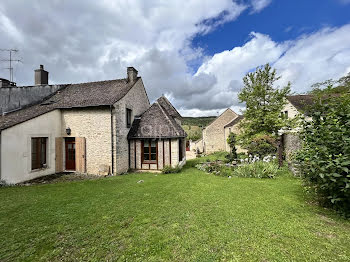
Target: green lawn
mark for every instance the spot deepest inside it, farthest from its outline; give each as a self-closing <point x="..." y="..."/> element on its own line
<point x="190" y="216"/>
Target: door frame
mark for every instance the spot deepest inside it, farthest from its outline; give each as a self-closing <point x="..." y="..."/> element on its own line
<point x="69" y="140"/>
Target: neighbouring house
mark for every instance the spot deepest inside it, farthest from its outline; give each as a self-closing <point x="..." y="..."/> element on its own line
<point x="82" y="128"/>
<point x="233" y="127"/>
<point x="214" y="137"/>
<point x="197" y="145"/>
<point x="297" y="105"/>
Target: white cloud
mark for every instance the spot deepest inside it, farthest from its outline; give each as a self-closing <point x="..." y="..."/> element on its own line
<point x="258" y="5"/>
<point x="304" y="61"/>
<point x="81" y="41"/>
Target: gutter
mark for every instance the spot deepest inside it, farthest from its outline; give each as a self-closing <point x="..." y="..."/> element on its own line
<point x="112" y="144"/>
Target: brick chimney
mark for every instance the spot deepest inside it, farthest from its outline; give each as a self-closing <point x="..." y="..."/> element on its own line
<point x="41" y="76"/>
<point x="132" y="74"/>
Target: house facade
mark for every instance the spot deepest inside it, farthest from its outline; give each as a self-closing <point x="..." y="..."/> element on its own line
<point x="297" y="105"/>
<point x="214" y="137"/>
<point x="77" y="128"/>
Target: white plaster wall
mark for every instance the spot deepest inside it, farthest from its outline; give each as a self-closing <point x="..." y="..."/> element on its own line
<point x="292" y="111"/>
<point x="16" y="147"/>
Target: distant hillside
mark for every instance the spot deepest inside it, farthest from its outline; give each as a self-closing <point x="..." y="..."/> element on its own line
<point x="193" y="126"/>
<point x="197" y="121"/>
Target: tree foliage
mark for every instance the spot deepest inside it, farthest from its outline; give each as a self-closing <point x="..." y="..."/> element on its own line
<point x="264" y="103"/>
<point x="231" y="140"/>
<point x="262" y="145"/>
<point x="324" y="159"/>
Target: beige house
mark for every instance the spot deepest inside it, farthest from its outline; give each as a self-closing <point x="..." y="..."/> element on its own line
<point x="296" y="105"/>
<point x="214" y="135"/>
<point x="84" y="128"/>
<point x="233" y="127"/>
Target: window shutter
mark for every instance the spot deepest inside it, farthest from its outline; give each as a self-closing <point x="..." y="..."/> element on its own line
<point x="80" y="154"/>
<point x="59" y="154"/>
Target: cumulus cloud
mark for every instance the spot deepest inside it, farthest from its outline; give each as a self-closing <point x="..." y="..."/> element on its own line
<point x="303" y="62"/>
<point x="80" y="41"/>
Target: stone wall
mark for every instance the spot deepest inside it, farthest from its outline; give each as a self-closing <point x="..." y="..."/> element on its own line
<point x="291" y="143"/>
<point x="15" y="97"/>
<point x="194" y="145"/>
<point x="214" y="134"/>
<point x="138" y="102"/>
<point x="95" y="125"/>
<point x="236" y="130"/>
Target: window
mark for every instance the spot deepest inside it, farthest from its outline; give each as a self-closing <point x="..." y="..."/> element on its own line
<point x="286" y="114"/>
<point x="39" y="152"/>
<point x="128" y="117"/>
<point x="149" y="151"/>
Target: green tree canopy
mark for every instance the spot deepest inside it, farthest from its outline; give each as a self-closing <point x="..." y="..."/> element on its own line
<point x="264" y="102"/>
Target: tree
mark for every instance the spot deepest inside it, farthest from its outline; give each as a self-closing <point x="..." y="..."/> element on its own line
<point x="332" y="87"/>
<point x="324" y="158"/>
<point x="264" y="103"/>
<point x="231" y="140"/>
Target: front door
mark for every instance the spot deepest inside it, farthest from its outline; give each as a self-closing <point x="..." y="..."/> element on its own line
<point x="70" y="154"/>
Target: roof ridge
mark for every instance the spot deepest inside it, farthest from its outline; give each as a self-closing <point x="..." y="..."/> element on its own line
<point x="166" y="115"/>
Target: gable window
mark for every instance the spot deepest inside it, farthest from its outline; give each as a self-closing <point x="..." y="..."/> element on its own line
<point x="128" y="117"/>
<point x="38" y="147"/>
<point x="149" y="151"/>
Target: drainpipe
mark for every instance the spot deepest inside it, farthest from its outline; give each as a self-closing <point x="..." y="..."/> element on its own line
<point x="0" y="155"/>
<point x="112" y="144"/>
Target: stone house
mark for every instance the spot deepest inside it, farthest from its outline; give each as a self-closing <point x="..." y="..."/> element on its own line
<point x="296" y="105"/>
<point x="214" y="135"/>
<point x="78" y="128"/>
<point x="233" y="127"/>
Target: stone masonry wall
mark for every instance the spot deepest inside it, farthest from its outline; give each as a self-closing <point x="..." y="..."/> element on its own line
<point x="214" y="134"/>
<point x="235" y="129"/>
<point x="95" y="125"/>
<point x="138" y="102"/>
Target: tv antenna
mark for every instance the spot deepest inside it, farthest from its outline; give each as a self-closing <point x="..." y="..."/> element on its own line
<point x="10" y="60"/>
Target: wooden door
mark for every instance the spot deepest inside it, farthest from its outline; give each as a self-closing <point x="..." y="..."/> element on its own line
<point x="70" y="154"/>
<point x="80" y="154"/>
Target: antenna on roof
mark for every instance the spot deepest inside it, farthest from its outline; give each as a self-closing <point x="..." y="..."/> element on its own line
<point x="10" y="61"/>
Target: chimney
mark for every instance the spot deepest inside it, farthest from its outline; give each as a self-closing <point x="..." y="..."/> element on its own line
<point x="41" y="76"/>
<point x="132" y="74"/>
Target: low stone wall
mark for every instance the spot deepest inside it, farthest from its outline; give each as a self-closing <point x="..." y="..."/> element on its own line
<point x="291" y="143"/>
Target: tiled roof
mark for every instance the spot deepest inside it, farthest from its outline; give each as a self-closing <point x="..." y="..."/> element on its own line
<point x="301" y="102"/>
<point x="156" y="122"/>
<point x="91" y="94"/>
<point x="234" y="121"/>
<point x="164" y="102"/>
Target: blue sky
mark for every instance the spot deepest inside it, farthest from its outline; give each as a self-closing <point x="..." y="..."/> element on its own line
<point x="196" y="52"/>
<point x="282" y="20"/>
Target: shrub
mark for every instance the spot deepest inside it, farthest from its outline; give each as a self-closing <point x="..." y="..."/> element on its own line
<point x="258" y="169"/>
<point x="262" y="145"/>
<point x="324" y="159"/>
<point x="171" y="170"/>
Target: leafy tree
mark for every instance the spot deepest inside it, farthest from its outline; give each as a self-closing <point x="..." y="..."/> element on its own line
<point x="331" y="87"/>
<point x="324" y="159"/>
<point x="231" y="140"/>
<point x="264" y="103"/>
<point x="262" y="145"/>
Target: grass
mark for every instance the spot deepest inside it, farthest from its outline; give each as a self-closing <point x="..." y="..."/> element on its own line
<point x="189" y="216"/>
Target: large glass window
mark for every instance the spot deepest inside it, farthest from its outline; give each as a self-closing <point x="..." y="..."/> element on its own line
<point x="39" y="145"/>
<point x="149" y="150"/>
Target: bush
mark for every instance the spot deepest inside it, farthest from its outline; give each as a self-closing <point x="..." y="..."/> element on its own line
<point x="258" y="169"/>
<point x="324" y="159"/>
<point x="171" y="170"/>
<point x="262" y="145"/>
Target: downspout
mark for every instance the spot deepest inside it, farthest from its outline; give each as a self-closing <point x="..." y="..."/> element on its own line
<point x="0" y="155"/>
<point x="112" y="144"/>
